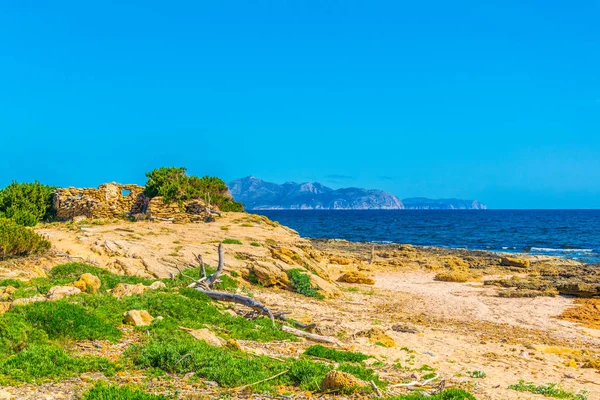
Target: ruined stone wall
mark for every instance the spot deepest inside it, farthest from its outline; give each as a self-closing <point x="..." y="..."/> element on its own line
<point x="110" y="200"/>
<point x="113" y="200"/>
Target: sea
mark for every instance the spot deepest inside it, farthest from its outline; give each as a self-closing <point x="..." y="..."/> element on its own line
<point x="566" y="233"/>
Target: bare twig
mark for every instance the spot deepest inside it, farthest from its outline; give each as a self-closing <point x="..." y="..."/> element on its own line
<point x="311" y="336"/>
<point x="376" y="389"/>
<point x="264" y="380"/>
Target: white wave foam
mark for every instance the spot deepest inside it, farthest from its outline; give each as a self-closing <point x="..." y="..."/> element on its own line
<point x="548" y="250"/>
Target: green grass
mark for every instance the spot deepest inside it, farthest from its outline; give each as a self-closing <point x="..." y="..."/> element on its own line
<point x="60" y="319"/>
<point x="448" y="394"/>
<point x="255" y="244"/>
<point x="302" y="284"/>
<point x="549" y="390"/>
<point x="38" y="363"/>
<point x="177" y="352"/>
<point x="231" y="241"/>
<point x="335" y="355"/>
<point x="104" y="391"/>
<point x="71" y="272"/>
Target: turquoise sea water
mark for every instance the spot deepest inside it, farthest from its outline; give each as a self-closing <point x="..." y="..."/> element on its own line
<point x="568" y="233"/>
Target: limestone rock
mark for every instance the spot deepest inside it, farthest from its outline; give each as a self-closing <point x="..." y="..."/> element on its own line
<point x="340" y="260"/>
<point x="514" y="262"/>
<point x="356" y="277"/>
<point x="287" y="256"/>
<point x="58" y="292"/>
<point x="378" y="336"/>
<point x="157" y="285"/>
<point x="4" y="306"/>
<point x="125" y="290"/>
<point x="27" y="300"/>
<point x="88" y="283"/>
<point x="206" y="335"/>
<point x="338" y="381"/>
<point x="138" y="318"/>
<point x="269" y="274"/>
<point x="328" y="289"/>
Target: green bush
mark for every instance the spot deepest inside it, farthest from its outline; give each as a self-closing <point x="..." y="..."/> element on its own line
<point x="17" y="240"/>
<point x="301" y="282"/>
<point x="104" y="391"/>
<point x="335" y="355"/>
<point x="40" y="362"/>
<point x="231" y="241"/>
<point x="16" y="334"/>
<point x="26" y="203"/>
<point x="61" y="319"/>
<point x="174" y="185"/>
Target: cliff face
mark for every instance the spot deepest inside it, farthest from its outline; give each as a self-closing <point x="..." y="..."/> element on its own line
<point x="423" y="203"/>
<point x="257" y="194"/>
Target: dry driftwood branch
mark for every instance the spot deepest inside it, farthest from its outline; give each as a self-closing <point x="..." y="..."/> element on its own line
<point x="281" y="316"/>
<point x="264" y="380"/>
<point x="376" y="389"/>
<point x="205" y="285"/>
<point x="311" y="336"/>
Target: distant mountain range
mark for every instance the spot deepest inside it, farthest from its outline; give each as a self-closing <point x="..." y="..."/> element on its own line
<point x="257" y="194"/>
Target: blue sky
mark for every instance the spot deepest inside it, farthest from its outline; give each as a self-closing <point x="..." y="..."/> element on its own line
<point x="493" y="100"/>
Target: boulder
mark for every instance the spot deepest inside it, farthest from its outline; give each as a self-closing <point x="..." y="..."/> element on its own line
<point x="157" y="285"/>
<point x="356" y="277"/>
<point x="88" y="283"/>
<point x="58" y="292"/>
<point x="378" y="336"/>
<point x="336" y="381"/>
<point x="340" y="260"/>
<point x="206" y="335"/>
<point x="287" y="256"/>
<point x="269" y="274"/>
<point x="125" y="290"/>
<point x="27" y="300"/>
<point x="514" y="262"/>
<point x="138" y="318"/>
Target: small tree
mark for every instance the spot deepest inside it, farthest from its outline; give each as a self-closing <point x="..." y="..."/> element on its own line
<point x="173" y="184"/>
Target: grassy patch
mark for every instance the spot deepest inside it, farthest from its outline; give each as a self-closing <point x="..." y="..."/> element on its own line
<point x="60" y="319"/>
<point x="302" y="284"/>
<point x="477" y="374"/>
<point x="448" y="394"/>
<point x="38" y="363"/>
<point x="549" y="390"/>
<point x="104" y="391"/>
<point x="335" y="355"/>
<point x="71" y="272"/>
<point x="231" y="241"/>
<point x="255" y="244"/>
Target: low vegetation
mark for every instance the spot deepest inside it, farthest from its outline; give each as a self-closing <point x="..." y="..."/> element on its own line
<point x="301" y="282"/>
<point x="458" y="275"/>
<point x="231" y="241"/>
<point x="549" y="390"/>
<point x="104" y="391"/>
<point x="335" y="355"/>
<point x="448" y="394"/>
<point x="17" y="240"/>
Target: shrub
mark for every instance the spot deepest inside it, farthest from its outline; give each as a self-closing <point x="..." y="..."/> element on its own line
<point x="61" y="319"/>
<point x="302" y="284"/>
<point x="26" y="203"/>
<point x="174" y="185"/>
<point x="231" y="241"/>
<point x="17" y="240"/>
<point x="335" y="355"/>
<point x="40" y="362"/>
<point x="104" y="391"/>
<point x="16" y="334"/>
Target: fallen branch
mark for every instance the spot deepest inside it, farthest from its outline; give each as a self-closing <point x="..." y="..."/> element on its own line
<point x="376" y="389"/>
<point x="281" y="316"/>
<point x="416" y="385"/>
<point x="311" y="336"/>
